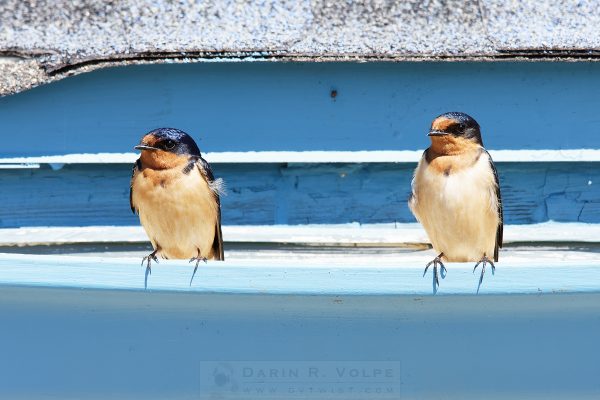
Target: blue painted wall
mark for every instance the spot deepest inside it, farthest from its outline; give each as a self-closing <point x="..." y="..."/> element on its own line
<point x="293" y="194"/>
<point x="287" y="106"/>
<point x="78" y="344"/>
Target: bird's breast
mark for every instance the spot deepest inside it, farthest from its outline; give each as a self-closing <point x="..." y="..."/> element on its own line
<point x="457" y="183"/>
<point x="178" y="211"/>
<point x="456" y="202"/>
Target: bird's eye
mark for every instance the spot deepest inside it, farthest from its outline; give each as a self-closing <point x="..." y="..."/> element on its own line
<point x="169" y="145"/>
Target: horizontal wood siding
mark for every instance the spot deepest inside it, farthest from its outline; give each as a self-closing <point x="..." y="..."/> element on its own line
<point x="85" y="194"/>
<point x="288" y="106"/>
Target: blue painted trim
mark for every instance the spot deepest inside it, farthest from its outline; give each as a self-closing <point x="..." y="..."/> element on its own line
<point x="98" y="344"/>
<point x="267" y="194"/>
<point x="285" y="278"/>
<point x="287" y="106"/>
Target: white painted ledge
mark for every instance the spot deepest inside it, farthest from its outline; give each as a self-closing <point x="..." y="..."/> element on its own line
<point x="344" y="234"/>
<point x="283" y="277"/>
<point x="549" y="155"/>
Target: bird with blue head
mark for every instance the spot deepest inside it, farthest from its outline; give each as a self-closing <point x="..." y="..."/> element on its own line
<point x="177" y="198"/>
<point x="456" y="195"/>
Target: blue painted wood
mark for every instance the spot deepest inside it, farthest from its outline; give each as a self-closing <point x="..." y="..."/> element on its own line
<point x="265" y="194"/>
<point x="281" y="277"/>
<point x="69" y="343"/>
<point x="287" y="106"/>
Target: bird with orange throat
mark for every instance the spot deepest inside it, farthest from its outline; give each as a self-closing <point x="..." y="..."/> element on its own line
<point x="456" y="196"/>
<point x="175" y="194"/>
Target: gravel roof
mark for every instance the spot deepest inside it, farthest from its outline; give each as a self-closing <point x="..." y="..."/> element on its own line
<point x="44" y="40"/>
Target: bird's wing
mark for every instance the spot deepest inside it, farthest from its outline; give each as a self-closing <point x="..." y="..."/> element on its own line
<point x="412" y="198"/>
<point x="215" y="186"/>
<point x="499" y="231"/>
<point x="136" y="168"/>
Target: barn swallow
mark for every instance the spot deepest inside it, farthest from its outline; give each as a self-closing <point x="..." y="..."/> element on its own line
<point x="175" y="194"/>
<point x="456" y="196"/>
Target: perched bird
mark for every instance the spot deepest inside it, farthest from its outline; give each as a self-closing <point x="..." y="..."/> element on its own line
<point x="176" y="196"/>
<point x="456" y="196"/>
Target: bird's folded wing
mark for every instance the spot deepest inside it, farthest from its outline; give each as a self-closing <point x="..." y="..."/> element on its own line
<point x="134" y="172"/>
<point x="207" y="173"/>
<point x="499" y="231"/>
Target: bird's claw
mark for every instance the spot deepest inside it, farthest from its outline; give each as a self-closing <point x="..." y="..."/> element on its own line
<point x="484" y="261"/>
<point x="197" y="259"/>
<point x="443" y="271"/>
<point x="148" y="260"/>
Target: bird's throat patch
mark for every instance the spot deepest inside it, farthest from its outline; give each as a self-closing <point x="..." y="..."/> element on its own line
<point x="159" y="159"/>
<point x="448" y="164"/>
<point x="449" y="145"/>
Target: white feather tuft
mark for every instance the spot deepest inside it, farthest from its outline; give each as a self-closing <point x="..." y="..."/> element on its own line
<point x="218" y="186"/>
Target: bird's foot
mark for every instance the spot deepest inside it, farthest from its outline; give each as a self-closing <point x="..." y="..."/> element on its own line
<point x="148" y="260"/>
<point x="435" y="262"/>
<point x="198" y="258"/>
<point x="484" y="261"/>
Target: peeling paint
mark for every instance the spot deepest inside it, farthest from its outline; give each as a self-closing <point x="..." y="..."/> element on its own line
<point x="264" y="194"/>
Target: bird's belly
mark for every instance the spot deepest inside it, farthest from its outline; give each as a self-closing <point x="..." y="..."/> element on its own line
<point x="178" y="215"/>
<point x="459" y="213"/>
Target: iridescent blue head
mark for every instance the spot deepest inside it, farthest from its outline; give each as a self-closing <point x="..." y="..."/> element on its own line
<point x="170" y="140"/>
<point x="458" y="125"/>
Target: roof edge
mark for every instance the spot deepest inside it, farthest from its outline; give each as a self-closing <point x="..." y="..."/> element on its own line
<point x="24" y="70"/>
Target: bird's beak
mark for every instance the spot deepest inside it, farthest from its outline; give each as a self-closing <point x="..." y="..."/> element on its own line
<point x="145" y="147"/>
<point x="436" y="133"/>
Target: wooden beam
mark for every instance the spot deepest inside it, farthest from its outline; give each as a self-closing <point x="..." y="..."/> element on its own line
<point x="293" y="194"/>
<point x="89" y="319"/>
<point x="294" y="276"/>
<point x="335" y="235"/>
<point x="74" y="343"/>
<point x="244" y="107"/>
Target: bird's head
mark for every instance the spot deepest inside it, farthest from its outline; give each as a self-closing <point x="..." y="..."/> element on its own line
<point x="454" y="132"/>
<point x="166" y="148"/>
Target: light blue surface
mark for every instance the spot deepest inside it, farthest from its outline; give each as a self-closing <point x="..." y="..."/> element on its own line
<point x="287" y="106"/>
<point x="85" y="328"/>
<point x="288" y="277"/>
<point x="83" y="343"/>
<point x="266" y="194"/>
<point x="75" y="327"/>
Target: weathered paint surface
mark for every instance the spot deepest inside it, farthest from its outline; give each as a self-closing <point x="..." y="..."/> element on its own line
<point x="288" y="106"/>
<point x="265" y="194"/>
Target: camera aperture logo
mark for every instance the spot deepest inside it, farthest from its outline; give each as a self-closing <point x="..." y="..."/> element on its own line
<point x="300" y="379"/>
